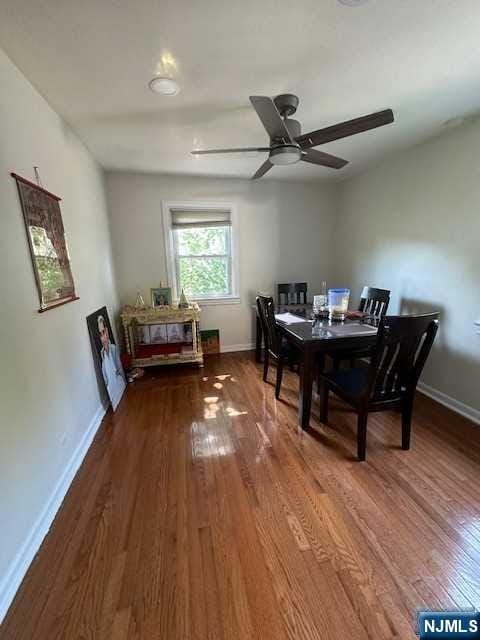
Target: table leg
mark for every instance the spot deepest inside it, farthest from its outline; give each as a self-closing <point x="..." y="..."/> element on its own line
<point x="258" y="340"/>
<point x="320" y="368"/>
<point x="306" y="382"/>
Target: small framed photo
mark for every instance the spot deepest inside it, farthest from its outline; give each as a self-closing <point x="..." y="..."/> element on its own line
<point x="161" y="296"/>
<point x="158" y="333"/>
<point x="175" y="332"/>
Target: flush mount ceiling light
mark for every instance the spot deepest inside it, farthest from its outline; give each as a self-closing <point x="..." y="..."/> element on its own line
<point x="353" y="3"/>
<point x="164" y="86"/>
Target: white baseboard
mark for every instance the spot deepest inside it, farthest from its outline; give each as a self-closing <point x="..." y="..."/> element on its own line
<point x="455" y="405"/>
<point x="236" y="347"/>
<point x="19" y="566"/>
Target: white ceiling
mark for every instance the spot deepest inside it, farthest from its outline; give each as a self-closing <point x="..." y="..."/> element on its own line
<point x="92" y="61"/>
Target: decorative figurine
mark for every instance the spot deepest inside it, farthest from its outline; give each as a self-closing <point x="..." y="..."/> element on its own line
<point x="183" y="302"/>
<point x="140" y="302"/>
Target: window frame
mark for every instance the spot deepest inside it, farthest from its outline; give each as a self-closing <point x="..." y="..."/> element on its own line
<point x="172" y="257"/>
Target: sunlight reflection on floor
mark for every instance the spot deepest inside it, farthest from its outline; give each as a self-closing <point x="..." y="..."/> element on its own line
<point x="211" y="444"/>
<point x="230" y="411"/>
<point x="211" y="411"/>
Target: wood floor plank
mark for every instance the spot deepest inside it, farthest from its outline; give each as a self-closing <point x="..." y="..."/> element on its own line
<point x="233" y="601"/>
<point x="202" y="512"/>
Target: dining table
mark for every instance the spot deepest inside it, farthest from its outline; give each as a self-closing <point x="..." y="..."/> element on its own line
<point x="313" y="337"/>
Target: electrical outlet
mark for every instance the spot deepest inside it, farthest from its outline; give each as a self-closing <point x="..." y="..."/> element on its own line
<point x="63" y="439"/>
<point x="477" y="327"/>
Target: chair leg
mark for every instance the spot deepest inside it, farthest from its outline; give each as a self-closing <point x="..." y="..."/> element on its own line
<point x="362" y="434"/>
<point x="323" y="391"/>
<point x="407" y="410"/>
<point x="336" y="363"/>
<point x="278" y="383"/>
<point x="265" y="365"/>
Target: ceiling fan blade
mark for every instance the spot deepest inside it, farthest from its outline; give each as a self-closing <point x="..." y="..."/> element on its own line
<point x="270" y="117"/>
<point x="324" y="159"/>
<point x="198" y="152"/>
<point x="266" y="166"/>
<point x="345" y="129"/>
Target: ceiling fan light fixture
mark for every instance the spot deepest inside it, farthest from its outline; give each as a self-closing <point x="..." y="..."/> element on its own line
<point x="164" y="86"/>
<point x="286" y="154"/>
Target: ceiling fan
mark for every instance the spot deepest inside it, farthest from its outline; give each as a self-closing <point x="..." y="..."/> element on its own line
<point x="288" y="145"/>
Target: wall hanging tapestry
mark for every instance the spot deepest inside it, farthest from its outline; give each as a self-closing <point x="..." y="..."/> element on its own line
<point x="48" y="247"/>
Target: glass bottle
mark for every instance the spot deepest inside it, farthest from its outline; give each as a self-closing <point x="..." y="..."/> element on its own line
<point x="323" y="297"/>
<point x="320" y="301"/>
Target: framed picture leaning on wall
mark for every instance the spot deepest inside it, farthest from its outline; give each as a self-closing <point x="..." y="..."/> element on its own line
<point x="48" y="247"/>
<point x="106" y="355"/>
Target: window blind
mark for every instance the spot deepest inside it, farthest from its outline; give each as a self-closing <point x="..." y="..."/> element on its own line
<point x="186" y="219"/>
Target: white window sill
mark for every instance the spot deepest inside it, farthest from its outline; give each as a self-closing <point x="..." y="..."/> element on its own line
<point x="211" y="301"/>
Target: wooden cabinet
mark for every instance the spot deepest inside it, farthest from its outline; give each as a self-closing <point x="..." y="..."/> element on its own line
<point x="162" y="335"/>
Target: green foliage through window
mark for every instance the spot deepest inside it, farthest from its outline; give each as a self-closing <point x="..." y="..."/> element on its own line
<point x="200" y="241"/>
<point x="203" y="261"/>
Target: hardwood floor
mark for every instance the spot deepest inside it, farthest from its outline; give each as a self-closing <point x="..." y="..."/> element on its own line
<point x="201" y="512"/>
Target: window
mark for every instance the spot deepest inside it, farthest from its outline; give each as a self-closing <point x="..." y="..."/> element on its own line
<point x="200" y="251"/>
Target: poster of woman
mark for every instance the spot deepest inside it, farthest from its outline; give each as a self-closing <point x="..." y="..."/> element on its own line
<point x="107" y="355"/>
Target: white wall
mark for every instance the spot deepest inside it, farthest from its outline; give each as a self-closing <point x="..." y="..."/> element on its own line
<point x="412" y="225"/>
<point x="48" y="388"/>
<point x="285" y="235"/>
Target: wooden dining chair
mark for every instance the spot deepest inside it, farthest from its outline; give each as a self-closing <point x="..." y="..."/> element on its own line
<point x="373" y="302"/>
<point x="276" y="346"/>
<point x="390" y="379"/>
<point x="292" y="293"/>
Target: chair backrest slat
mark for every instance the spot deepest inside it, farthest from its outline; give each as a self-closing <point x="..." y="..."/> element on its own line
<point x="402" y="348"/>
<point x="374" y="301"/>
<point x="266" y="313"/>
<point x="292" y="293"/>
